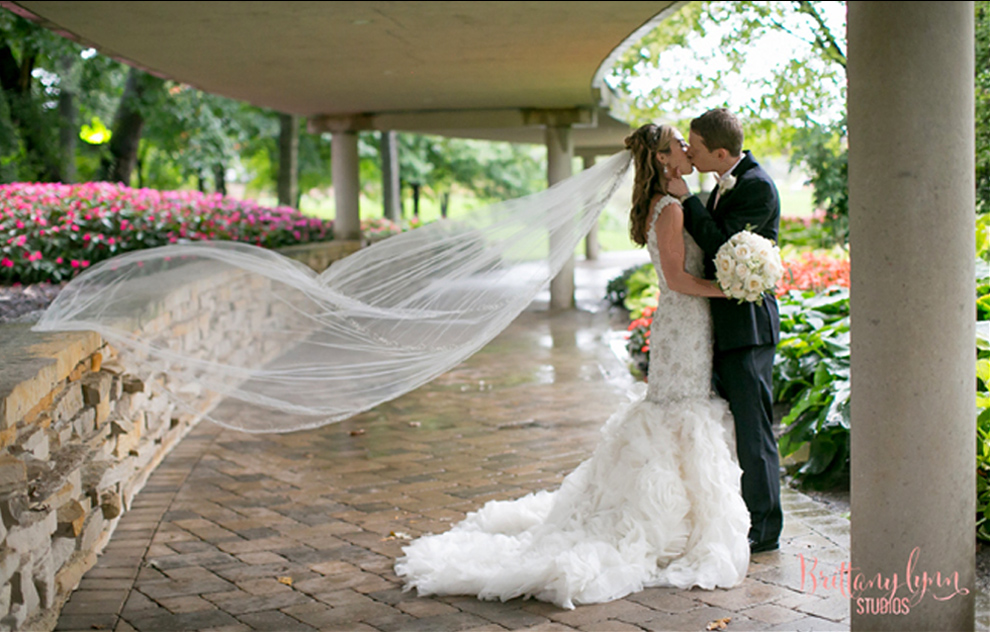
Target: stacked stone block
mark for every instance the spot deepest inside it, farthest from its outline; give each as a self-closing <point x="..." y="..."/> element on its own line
<point x="79" y="435"/>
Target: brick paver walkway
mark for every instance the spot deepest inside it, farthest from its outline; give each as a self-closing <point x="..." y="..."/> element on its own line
<point x="240" y="532"/>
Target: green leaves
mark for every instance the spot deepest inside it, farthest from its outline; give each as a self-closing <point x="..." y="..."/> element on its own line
<point x="705" y="55"/>
<point x="812" y="378"/>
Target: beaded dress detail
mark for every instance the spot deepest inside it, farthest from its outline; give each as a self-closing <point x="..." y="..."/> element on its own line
<point x="658" y="503"/>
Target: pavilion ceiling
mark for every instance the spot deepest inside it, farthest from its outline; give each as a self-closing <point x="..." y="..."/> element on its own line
<point x="410" y="64"/>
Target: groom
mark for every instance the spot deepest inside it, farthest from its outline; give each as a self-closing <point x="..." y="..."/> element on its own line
<point x="746" y="334"/>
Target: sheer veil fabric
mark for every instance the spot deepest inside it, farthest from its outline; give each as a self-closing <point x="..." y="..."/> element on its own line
<point x="224" y="319"/>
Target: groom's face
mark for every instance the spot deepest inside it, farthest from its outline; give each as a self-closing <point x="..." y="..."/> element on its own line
<point x="699" y="155"/>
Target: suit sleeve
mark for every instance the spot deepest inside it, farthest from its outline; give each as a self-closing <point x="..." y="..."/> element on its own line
<point x="754" y="204"/>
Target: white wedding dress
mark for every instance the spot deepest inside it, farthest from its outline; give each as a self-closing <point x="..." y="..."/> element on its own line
<point x="657" y="504"/>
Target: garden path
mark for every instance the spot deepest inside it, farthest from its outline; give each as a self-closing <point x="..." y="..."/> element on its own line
<point x="241" y="532"/>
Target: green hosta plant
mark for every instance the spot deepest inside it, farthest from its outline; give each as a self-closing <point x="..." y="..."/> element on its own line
<point x="811" y="377"/>
<point x="983" y="440"/>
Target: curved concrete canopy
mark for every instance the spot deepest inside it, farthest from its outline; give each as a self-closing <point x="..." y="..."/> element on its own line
<point x="397" y="65"/>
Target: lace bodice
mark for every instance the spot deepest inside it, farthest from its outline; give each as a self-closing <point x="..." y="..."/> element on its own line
<point x="681" y="334"/>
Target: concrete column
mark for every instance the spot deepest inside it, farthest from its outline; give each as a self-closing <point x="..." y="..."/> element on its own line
<point x="389" y="151"/>
<point x="346" y="185"/>
<point x="560" y="153"/>
<point x="288" y="160"/>
<point x="591" y="247"/>
<point x="911" y="185"/>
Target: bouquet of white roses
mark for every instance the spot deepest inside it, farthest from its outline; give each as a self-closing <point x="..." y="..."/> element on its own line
<point x="748" y="265"/>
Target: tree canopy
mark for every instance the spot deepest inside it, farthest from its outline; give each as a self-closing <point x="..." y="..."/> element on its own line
<point x="780" y="65"/>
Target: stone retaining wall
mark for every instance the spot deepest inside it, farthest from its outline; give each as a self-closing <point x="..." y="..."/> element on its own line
<point x="79" y="436"/>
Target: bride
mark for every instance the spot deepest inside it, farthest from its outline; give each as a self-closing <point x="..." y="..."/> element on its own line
<point x="658" y="503"/>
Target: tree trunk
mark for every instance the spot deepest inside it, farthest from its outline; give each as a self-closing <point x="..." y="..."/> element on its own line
<point x="27" y="115"/>
<point x="288" y="160"/>
<point x="68" y="111"/>
<point x="127" y="125"/>
<point x="220" y="178"/>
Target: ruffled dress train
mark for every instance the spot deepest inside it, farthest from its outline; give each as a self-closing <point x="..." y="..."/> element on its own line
<point x="657" y="504"/>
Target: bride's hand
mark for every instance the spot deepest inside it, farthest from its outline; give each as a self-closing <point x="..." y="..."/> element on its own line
<point x="676" y="185"/>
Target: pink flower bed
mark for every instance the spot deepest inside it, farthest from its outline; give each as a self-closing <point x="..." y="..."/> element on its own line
<point x="813" y="270"/>
<point x="50" y="232"/>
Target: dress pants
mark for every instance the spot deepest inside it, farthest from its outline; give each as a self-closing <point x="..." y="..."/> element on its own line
<point x="744" y="377"/>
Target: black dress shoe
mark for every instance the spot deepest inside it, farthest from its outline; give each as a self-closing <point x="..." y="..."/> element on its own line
<point x="762" y="547"/>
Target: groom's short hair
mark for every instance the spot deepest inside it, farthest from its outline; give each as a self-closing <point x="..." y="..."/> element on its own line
<point x="720" y="129"/>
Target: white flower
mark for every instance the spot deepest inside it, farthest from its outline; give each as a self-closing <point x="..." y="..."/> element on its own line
<point x="725" y="183"/>
<point x="723" y="262"/>
<point x="748" y="265"/>
<point x="754" y="284"/>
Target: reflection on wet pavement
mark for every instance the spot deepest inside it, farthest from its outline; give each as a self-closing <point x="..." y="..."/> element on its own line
<point x="300" y="531"/>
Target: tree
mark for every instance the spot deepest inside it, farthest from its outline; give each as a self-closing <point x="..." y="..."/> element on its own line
<point x="490" y="170"/>
<point x="142" y="89"/>
<point x="31" y="151"/>
<point x="734" y="54"/>
<point x="728" y="54"/>
<point x="50" y="85"/>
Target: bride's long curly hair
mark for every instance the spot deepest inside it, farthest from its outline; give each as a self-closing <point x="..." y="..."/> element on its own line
<point x="650" y="180"/>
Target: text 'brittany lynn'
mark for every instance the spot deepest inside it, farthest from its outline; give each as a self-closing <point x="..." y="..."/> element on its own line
<point x="879" y="593"/>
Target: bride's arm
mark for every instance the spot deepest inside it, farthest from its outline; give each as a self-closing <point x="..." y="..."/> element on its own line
<point x="669" y="228"/>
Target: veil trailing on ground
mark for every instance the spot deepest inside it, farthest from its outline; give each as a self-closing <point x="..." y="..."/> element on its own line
<point x="221" y="319"/>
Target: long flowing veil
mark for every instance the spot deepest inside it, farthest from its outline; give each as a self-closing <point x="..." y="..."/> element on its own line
<point x="221" y="319"/>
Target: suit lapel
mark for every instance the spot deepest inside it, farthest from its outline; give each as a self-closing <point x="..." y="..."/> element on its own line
<point x="710" y="205"/>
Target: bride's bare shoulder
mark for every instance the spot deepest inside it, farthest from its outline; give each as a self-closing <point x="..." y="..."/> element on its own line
<point x="661" y="202"/>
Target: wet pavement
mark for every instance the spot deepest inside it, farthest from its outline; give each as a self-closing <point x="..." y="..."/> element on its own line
<point x="241" y="532"/>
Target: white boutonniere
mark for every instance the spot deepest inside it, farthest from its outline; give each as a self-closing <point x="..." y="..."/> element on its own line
<point x="725" y="183"/>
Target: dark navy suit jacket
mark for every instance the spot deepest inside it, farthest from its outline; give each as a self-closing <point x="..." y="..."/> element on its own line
<point x="753" y="202"/>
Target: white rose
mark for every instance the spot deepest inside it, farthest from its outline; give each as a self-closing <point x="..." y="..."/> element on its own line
<point x="743" y="251"/>
<point x="723" y="261"/>
<point x="754" y="284"/>
<point x="742" y="271"/>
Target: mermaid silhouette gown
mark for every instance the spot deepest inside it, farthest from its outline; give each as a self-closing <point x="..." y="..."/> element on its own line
<point x="657" y="504"/>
